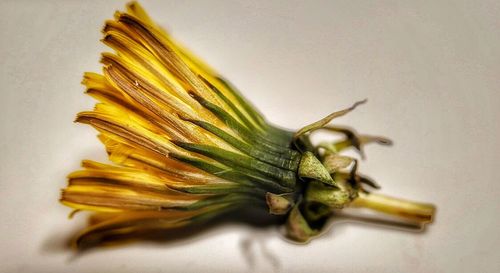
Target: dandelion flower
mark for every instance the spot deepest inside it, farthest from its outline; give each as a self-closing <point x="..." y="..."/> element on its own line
<point x="186" y="146"/>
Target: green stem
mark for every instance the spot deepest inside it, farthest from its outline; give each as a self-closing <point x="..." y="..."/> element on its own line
<point x="413" y="211"/>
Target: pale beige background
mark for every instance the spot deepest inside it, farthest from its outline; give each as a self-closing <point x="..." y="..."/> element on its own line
<point x="430" y="70"/>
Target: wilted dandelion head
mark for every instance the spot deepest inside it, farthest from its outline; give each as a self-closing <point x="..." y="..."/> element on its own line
<point x="185" y="146"/>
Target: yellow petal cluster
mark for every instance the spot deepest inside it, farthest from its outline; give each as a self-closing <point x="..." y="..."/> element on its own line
<point x="152" y="95"/>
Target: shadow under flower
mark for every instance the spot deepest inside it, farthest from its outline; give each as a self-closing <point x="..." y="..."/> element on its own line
<point x="259" y="222"/>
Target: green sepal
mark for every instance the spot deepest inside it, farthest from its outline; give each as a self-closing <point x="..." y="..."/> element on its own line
<point x="233" y="107"/>
<point x="220" y="189"/>
<point x="279" y="204"/>
<point x="334" y="162"/>
<point x="250" y="136"/>
<point x="334" y="198"/>
<point x="353" y="139"/>
<point x="237" y="161"/>
<point x="253" y="151"/>
<point x="322" y="122"/>
<point x="311" y="167"/>
<point x="277" y="135"/>
<point x="356" y="178"/>
<point x="297" y="227"/>
<point x="244" y="177"/>
<point x="232" y="198"/>
<point x="315" y="212"/>
<point x="250" y="109"/>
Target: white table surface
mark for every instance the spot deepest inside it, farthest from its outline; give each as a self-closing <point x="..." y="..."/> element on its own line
<point x="431" y="72"/>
